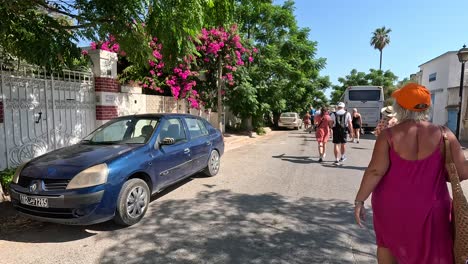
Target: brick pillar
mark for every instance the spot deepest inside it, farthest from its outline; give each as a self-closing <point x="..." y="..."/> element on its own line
<point x="106" y="86"/>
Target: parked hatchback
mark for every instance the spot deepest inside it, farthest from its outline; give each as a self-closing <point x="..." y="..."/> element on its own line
<point x="112" y="173"/>
<point x="290" y="120"/>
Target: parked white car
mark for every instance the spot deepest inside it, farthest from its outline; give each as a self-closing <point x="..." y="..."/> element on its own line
<point x="290" y="120"/>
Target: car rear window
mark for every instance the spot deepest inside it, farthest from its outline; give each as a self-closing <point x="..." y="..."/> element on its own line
<point x="196" y="127"/>
<point x="288" y="115"/>
<point x="364" y="95"/>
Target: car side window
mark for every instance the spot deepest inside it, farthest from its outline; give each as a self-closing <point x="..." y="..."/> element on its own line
<point x="173" y="128"/>
<point x="196" y="127"/>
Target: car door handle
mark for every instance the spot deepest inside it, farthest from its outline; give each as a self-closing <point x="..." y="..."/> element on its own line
<point x="186" y="151"/>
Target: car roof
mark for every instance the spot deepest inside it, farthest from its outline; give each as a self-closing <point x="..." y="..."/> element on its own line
<point x="159" y="115"/>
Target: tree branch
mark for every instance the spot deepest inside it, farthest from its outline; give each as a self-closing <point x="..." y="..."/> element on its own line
<point x="56" y="10"/>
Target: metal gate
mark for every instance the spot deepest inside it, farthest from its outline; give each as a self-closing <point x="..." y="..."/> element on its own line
<point x="44" y="111"/>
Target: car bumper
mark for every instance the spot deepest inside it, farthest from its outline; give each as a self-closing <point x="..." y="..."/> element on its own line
<point x="67" y="208"/>
<point x="289" y="125"/>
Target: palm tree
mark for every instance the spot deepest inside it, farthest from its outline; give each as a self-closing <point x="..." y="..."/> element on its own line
<point x="380" y="40"/>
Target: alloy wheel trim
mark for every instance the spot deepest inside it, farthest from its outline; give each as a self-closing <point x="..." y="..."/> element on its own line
<point x="136" y="202"/>
<point x="214" y="162"/>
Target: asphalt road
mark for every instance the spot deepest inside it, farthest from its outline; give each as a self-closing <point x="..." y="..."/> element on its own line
<point x="271" y="203"/>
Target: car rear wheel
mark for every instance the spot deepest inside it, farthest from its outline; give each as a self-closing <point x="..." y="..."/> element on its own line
<point x="213" y="164"/>
<point x="132" y="203"/>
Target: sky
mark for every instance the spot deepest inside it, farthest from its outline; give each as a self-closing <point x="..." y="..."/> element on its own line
<point x="421" y="31"/>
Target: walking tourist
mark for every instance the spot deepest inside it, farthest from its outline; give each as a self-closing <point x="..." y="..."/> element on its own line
<point x="340" y="122"/>
<point x="408" y="181"/>
<point x="357" y="125"/>
<point x="306" y="121"/>
<point x="322" y="134"/>
<point x="388" y="120"/>
<point x="312" y="114"/>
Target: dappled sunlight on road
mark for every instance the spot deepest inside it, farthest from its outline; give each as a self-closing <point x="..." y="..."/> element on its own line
<point x="226" y="227"/>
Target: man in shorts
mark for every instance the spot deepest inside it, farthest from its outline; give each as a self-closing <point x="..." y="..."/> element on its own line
<point x="340" y="122"/>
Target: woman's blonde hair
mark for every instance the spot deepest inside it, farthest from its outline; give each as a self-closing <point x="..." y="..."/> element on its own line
<point x="403" y="114"/>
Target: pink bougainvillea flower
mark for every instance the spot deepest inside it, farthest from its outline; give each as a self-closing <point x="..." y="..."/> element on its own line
<point x="84" y="53"/>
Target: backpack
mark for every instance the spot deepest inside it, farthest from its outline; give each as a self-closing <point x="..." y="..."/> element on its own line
<point x="340" y="120"/>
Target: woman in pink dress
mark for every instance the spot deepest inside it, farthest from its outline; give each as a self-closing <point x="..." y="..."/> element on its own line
<point x="408" y="182"/>
<point x="322" y="134"/>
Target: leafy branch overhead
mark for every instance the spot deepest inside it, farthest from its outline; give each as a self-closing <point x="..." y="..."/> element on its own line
<point x="46" y="32"/>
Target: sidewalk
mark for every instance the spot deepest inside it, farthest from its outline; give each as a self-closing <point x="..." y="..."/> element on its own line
<point x="237" y="140"/>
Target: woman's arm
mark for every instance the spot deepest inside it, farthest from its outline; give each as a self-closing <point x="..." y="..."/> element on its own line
<point x="360" y="120"/>
<point x="458" y="156"/>
<point x="377" y="168"/>
<point x="379" y="127"/>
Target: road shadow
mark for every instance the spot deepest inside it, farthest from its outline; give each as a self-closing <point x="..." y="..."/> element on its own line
<point x="368" y="136"/>
<point x="296" y="159"/>
<point x="227" y="227"/>
<point x="19" y="228"/>
<point x="16" y="227"/>
<point x="359" y="148"/>
<point x="344" y="167"/>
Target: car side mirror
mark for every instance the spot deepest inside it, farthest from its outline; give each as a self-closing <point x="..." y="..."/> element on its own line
<point x="168" y="141"/>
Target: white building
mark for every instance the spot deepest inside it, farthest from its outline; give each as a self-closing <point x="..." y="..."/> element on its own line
<point x="441" y="76"/>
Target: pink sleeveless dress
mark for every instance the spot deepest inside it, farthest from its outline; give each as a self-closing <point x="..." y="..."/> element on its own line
<point x="411" y="206"/>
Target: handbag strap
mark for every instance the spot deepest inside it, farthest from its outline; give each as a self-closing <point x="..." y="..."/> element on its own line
<point x="449" y="164"/>
<point x="447" y="149"/>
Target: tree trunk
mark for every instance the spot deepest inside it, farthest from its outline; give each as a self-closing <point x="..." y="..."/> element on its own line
<point x="380" y="66"/>
<point x="2" y="194"/>
<point x="220" y="102"/>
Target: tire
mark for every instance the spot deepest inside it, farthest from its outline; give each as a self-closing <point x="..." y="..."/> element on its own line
<point x="212" y="168"/>
<point x="126" y="216"/>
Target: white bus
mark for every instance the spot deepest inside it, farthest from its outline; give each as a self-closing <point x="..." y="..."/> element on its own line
<point x="368" y="100"/>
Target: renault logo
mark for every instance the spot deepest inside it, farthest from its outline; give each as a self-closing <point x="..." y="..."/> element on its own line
<point x="33" y="187"/>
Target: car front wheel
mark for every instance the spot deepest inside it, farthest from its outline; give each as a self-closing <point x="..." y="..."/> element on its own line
<point x="213" y="164"/>
<point x="132" y="203"/>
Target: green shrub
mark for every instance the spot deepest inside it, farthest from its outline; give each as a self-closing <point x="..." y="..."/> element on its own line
<point x="6" y="176"/>
<point x="260" y="131"/>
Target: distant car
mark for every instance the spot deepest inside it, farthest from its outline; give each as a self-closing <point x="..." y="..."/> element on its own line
<point x="290" y="120"/>
<point x="112" y="173"/>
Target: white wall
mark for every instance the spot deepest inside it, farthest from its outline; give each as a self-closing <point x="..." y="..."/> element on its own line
<point x="443" y="66"/>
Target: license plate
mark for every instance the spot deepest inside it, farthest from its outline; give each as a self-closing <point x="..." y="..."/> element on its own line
<point x="34" y="201"/>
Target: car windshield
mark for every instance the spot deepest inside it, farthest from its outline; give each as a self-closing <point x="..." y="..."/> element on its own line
<point x="288" y="115"/>
<point x="131" y="130"/>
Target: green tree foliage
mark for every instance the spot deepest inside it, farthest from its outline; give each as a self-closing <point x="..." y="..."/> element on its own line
<point x="46" y="32"/>
<point x="379" y="40"/>
<point x="284" y="75"/>
<point x="386" y="79"/>
<point x="355" y="78"/>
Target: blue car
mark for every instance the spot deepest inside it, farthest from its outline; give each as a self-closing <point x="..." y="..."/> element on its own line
<point x="112" y="173"/>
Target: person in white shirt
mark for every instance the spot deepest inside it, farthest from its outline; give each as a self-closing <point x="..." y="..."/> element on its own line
<point x="340" y="121"/>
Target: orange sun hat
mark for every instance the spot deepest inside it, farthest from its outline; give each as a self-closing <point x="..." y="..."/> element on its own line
<point x="413" y="97"/>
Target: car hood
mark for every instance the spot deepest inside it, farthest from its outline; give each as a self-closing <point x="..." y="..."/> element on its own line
<point x="66" y="162"/>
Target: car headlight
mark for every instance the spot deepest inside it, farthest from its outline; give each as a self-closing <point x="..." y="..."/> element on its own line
<point x="90" y="177"/>
<point x="17" y="173"/>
